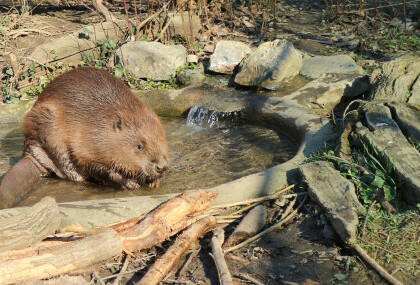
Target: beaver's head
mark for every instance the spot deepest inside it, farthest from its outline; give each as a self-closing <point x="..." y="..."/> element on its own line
<point x="137" y="146"/>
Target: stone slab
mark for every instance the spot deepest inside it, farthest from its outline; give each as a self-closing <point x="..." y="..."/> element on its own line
<point x="338" y="64"/>
<point x="335" y="194"/>
<point x="383" y="133"/>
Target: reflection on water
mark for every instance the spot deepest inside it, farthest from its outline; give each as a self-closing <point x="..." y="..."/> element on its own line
<point x="200" y="158"/>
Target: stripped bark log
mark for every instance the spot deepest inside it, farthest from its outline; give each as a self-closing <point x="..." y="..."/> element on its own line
<point x="158" y="225"/>
<point x="31" y="226"/>
<point x="54" y="261"/>
<point x="250" y="225"/>
<point x="165" y="264"/>
<point x="219" y="258"/>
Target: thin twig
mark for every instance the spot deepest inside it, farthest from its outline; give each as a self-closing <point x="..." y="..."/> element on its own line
<point x="288" y="209"/>
<point x="190" y="258"/>
<point x="249" y="278"/>
<point x="366" y="218"/>
<point x="391" y="279"/>
<point x="244" y="209"/>
<point x="162" y="32"/>
<point x="270" y="229"/>
<point x="348" y="106"/>
<point x="123" y="269"/>
<point x="98" y="278"/>
<point x="127" y="272"/>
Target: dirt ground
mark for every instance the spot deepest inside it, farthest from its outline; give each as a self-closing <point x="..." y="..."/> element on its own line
<point x="306" y="251"/>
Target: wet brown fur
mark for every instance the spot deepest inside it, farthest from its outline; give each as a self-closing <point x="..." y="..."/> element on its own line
<point x="86" y="126"/>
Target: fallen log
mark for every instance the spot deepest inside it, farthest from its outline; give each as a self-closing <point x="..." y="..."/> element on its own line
<point x="250" y="225"/>
<point x="65" y="254"/>
<point x="30" y="226"/>
<point x="61" y="259"/>
<point x="159" y="224"/>
<point x="164" y="265"/>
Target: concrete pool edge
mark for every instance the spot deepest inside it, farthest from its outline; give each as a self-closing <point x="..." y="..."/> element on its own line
<point x="283" y="113"/>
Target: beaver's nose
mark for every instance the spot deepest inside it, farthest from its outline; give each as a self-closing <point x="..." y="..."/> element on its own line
<point x="161" y="168"/>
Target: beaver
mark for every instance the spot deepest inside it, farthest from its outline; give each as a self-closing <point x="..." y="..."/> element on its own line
<point x="87" y="125"/>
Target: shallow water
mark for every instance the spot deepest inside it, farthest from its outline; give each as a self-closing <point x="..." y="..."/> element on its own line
<point x="199" y="158"/>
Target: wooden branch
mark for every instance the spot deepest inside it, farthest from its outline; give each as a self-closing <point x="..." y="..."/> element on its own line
<point x="123" y="269"/>
<point x="58" y="260"/>
<point x="30" y="226"/>
<point x="164" y="265"/>
<point x="219" y="258"/>
<point x="391" y="279"/>
<point x="251" y="224"/>
<point x="249" y="278"/>
<point x="270" y="229"/>
<point x="103" y="10"/>
<point x="158" y="225"/>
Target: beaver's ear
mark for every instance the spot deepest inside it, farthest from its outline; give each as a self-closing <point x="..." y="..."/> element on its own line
<point x="117" y="124"/>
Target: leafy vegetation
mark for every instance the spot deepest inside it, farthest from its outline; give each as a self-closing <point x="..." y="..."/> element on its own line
<point x="391" y="227"/>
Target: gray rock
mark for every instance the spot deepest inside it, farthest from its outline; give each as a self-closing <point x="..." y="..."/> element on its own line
<point x="71" y="47"/>
<point x="309" y="46"/>
<point x="385" y="136"/>
<point x="335" y="194"/>
<point x="408" y="119"/>
<point x="327" y="91"/>
<point x="338" y="64"/>
<point x="227" y="56"/>
<point x="151" y="59"/>
<point x="269" y="65"/>
<point x="192" y="77"/>
<point x="400" y="81"/>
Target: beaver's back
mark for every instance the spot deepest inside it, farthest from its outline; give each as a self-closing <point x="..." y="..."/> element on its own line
<point x="88" y="88"/>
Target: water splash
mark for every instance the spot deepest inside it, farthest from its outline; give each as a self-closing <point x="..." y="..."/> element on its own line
<point x="207" y="118"/>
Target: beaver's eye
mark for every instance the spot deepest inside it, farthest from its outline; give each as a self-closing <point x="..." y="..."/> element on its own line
<point x="140" y="146"/>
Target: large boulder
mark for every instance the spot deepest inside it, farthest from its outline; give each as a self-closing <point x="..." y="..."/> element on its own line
<point x="227" y="56"/>
<point x="151" y="59"/>
<point x="271" y="64"/>
<point x="71" y="47"/>
<point x="314" y="67"/>
<point x="400" y="80"/>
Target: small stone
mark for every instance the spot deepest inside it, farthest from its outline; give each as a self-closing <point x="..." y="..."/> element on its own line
<point x="227" y="56"/>
<point x="209" y="48"/>
<point x="192" y="58"/>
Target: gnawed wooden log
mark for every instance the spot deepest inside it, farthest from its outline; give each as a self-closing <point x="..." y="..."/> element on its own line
<point x="250" y="225"/>
<point x="53" y="261"/>
<point x="31" y="226"/>
<point x="158" y="225"/>
<point x="164" y="265"/>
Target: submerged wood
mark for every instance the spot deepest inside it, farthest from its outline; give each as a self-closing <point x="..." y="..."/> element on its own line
<point x="164" y="265"/>
<point x="158" y="225"/>
<point x="30" y="226"/>
<point x="47" y="262"/>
